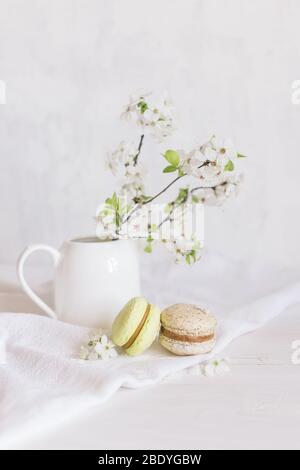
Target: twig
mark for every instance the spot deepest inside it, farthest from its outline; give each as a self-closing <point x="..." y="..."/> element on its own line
<point x="172" y="182"/>
<point x="163" y="190"/>
<point x="143" y="203"/>
<point x="139" y="150"/>
<point x="210" y="187"/>
<point x="174" y="206"/>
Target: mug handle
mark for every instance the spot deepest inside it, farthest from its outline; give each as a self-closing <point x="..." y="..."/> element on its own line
<point x="20" y="270"/>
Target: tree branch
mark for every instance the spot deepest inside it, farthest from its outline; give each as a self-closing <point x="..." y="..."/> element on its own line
<point x="210" y="187"/>
<point x="135" y="160"/>
<point x="148" y="201"/>
<point x="172" y="182"/>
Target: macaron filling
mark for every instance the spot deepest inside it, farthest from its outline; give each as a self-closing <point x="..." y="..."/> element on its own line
<point x="186" y="338"/>
<point x="139" y="328"/>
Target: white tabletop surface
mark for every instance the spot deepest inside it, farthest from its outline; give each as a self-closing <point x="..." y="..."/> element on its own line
<point x="255" y="405"/>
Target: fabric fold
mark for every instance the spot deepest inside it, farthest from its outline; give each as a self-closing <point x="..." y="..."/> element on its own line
<point x="43" y="382"/>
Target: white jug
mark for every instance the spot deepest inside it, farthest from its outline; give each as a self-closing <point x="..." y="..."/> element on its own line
<point x="93" y="280"/>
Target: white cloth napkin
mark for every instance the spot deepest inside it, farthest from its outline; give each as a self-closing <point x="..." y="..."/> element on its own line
<point x="43" y="383"/>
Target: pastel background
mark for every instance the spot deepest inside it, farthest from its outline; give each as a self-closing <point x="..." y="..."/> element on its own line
<point x="69" y="66"/>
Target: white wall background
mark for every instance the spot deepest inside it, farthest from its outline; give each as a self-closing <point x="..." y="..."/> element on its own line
<point x="69" y="66"/>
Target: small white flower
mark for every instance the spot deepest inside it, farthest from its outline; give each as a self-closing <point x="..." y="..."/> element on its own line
<point x="207" y="196"/>
<point x="112" y="164"/>
<point x="184" y="249"/>
<point x="150" y="117"/>
<point x="225" y="188"/>
<point x="122" y="156"/>
<point x="216" y="367"/>
<point x="105" y="224"/>
<point x="128" y="112"/>
<point x="184" y="244"/>
<point x="131" y="110"/>
<point x="98" y="347"/>
<point x="137" y="226"/>
<point x="132" y="185"/>
<point x="201" y="166"/>
<point x="208" y="162"/>
<point x="95" y="337"/>
<point x="105" y="348"/>
<point x="135" y="172"/>
<point x="224" y="149"/>
<point x="84" y="353"/>
<point x="155" y="116"/>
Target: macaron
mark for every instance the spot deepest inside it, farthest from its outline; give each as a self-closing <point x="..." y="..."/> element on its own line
<point x="136" y="326"/>
<point x="187" y="330"/>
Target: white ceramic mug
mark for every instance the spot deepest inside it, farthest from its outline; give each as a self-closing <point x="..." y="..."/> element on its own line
<point x="93" y="280"/>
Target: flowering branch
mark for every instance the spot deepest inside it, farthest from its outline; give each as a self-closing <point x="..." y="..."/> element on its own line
<point x="213" y="163"/>
<point x="197" y="188"/>
<point x="179" y="201"/>
<point x="151" y="199"/>
<point x="163" y="190"/>
<point x="142" y="201"/>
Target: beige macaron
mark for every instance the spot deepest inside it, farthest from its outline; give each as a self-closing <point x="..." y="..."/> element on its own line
<point x="187" y="330"/>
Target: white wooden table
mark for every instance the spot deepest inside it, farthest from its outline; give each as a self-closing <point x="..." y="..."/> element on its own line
<point x="256" y="405"/>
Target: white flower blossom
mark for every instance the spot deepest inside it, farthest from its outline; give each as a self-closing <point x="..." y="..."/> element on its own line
<point x="198" y="165"/>
<point x="124" y="160"/>
<point x="210" y="161"/>
<point x="135" y="173"/>
<point x="105" y="223"/>
<point x="184" y="244"/>
<point x="150" y="117"/>
<point x="132" y="184"/>
<point x="105" y="348"/>
<point x="87" y="354"/>
<point x="131" y="110"/>
<point x="224" y="149"/>
<point x="212" y="164"/>
<point x="95" y="337"/>
<point x="216" y="367"/>
<point x="218" y="194"/>
<point x="98" y="347"/>
<point x="156" y="116"/>
<point x="188" y="250"/>
<point x="123" y="155"/>
<point x="138" y="226"/>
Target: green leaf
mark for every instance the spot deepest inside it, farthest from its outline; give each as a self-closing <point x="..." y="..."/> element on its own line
<point x="172" y="157"/>
<point x="229" y="166"/>
<point x="143" y="106"/>
<point x="169" y="169"/>
<point x="188" y="259"/>
<point x="195" y="199"/>
<point x="114" y="201"/>
<point x="148" y="248"/>
<point x="142" y="198"/>
<point x="182" y="195"/>
<point x="118" y="220"/>
<point x="181" y="172"/>
<point x="168" y="207"/>
<point x="194" y="255"/>
<point x="240" y="155"/>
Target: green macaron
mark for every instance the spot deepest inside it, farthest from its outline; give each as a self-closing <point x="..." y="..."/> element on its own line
<point x="136" y="326"/>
